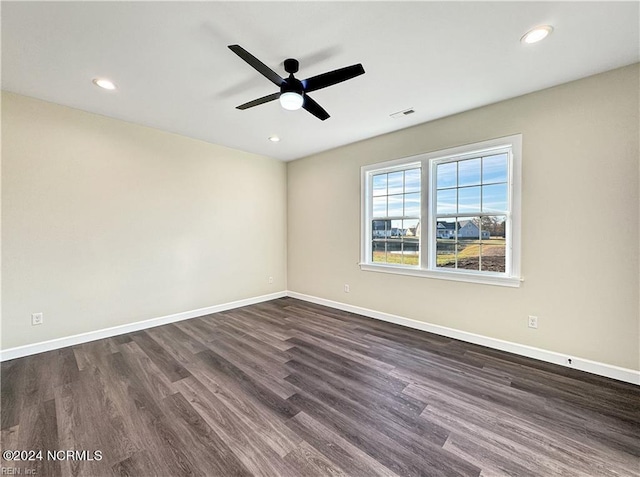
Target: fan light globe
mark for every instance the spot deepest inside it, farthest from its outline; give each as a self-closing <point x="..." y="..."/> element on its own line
<point x="291" y="101"/>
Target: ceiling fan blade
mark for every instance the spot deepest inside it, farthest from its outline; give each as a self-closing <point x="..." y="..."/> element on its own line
<point x="314" y="108"/>
<point x="332" y="77"/>
<point x="256" y="102"/>
<point x="257" y="64"/>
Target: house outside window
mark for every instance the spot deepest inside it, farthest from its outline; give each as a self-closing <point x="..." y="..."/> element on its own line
<point x="451" y="214"/>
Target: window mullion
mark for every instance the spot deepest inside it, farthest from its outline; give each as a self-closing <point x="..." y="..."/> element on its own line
<point x="427" y="216"/>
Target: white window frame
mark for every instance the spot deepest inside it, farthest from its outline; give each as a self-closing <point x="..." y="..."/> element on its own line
<point x="428" y="162"/>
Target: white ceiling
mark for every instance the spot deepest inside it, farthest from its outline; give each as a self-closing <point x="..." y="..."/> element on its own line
<point x="174" y="71"/>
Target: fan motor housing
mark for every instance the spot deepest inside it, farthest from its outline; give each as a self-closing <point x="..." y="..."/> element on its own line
<point x="292" y="85"/>
<point x="291" y="65"/>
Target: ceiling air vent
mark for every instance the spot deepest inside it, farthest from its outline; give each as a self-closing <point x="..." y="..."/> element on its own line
<point x="403" y="113"/>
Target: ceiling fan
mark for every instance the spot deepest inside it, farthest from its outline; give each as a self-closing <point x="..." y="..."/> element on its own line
<point x="294" y="92"/>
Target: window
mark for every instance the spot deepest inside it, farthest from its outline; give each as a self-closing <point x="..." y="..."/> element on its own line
<point x="452" y="214"/>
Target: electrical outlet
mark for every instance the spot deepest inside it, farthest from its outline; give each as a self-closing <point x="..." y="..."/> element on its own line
<point x="346" y="288"/>
<point x="533" y="321"/>
<point x="36" y="318"/>
<point x="270" y="279"/>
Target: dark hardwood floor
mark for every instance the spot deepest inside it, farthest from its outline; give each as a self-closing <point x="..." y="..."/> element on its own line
<point x="288" y="388"/>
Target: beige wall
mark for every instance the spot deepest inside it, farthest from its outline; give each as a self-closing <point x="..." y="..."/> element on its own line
<point x="106" y="223"/>
<point x="580" y="209"/>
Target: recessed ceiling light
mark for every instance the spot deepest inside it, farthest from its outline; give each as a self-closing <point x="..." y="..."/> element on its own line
<point x="274" y="139"/>
<point x="104" y="83"/>
<point x="536" y="34"/>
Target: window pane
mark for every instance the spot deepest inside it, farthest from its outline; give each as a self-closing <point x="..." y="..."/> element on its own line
<point x="494" y="226"/>
<point x="446" y="201"/>
<point x="493" y="256"/>
<point x="412" y="205"/>
<point x="446" y="229"/>
<point x="410" y="255"/>
<point x="494" y="168"/>
<point x="395" y="183"/>
<point x="412" y="180"/>
<point x="394" y="252"/>
<point x="468" y="254"/>
<point x="411" y="228"/>
<point x="468" y="200"/>
<point x="380" y="228"/>
<point x="395" y="205"/>
<point x="380" y="184"/>
<point x="446" y="175"/>
<point x="469" y="228"/>
<point x="494" y="198"/>
<point x="446" y="254"/>
<point x="378" y="251"/>
<point x="469" y="172"/>
<point x="396" y="229"/>
<point x="380" y="206"/>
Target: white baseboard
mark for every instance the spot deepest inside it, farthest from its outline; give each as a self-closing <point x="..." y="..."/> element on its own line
<point x="593" y="367"/>
<point x="27" y="350"/>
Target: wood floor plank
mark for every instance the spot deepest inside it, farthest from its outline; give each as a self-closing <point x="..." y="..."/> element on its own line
<point x="250" y="345"/>
<point x="250" y="386"/>
<point x="401" y="428"/>
<point x="249" y="448"/>
<point x="272" y="432"/>
<point x="12" y="384"/>
<point x="260" y="322"/>
<point x="311" y="463"/>
<point x="9" y="440"/>
<point x="493" y="462"/>
<point x="504" y="446"/>
<point x="353" y="351"/>
<point x="257" y="333"/>
<point x="255" y="365"/>
<point x="176" y="342"/>
<point x="39" y="431"/>
<point x="207" y="448"/>
<point x="163" y="359"/>
<point x="375" y="412"/>
<point x="139" y="463"/>
<point x="145" y="371"/>
<point x="200" y="330"/>
<point x="289" y="388"/>
<point x="348" y="369"/>
<point x="395" y="401"/>
<point x="38" y="380"/>
<point x="149" y="423"/>
<point x="71" y="432"/>
<point x="104" y="416"/>
<point x="419" y="459"/>
<point x="521" y="434"/>
<point x="347" y="456"/>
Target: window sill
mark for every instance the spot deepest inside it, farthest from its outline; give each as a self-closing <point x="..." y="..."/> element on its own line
<point x="458" y="276"/>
